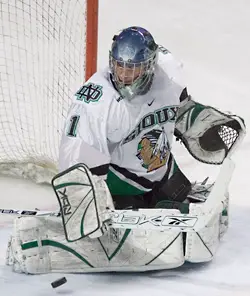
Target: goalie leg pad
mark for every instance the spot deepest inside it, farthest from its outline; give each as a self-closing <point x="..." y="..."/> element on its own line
<point x="201" y="246"/>
<point x="38" y="245"/>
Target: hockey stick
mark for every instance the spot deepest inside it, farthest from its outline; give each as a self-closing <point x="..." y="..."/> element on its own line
<point x="148" y="219"/>
<point x="29" y="212"/>
<point x="151" y="219"/>
<point x="214" y="202"/>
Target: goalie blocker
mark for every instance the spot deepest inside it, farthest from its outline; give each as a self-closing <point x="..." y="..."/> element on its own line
<point x="84" y="202"/>
<point x="85" y="242"/>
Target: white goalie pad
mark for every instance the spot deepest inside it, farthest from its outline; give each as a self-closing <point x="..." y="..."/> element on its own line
<point x="201" y="246"/>
<point x="84" y="200"/>
<point x="141" y="240"/>
<point x="38" y="245"/>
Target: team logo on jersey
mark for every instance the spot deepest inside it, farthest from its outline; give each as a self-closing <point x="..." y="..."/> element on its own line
<point x="158" y="117"/>
<point x="153" y="149"/>
<point x="89" y="93"/>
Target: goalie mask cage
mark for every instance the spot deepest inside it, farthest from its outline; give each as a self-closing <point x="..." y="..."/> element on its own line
<point x="48" y="48"/>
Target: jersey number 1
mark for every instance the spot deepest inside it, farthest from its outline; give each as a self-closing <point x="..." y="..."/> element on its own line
<point x="73" y="125"/>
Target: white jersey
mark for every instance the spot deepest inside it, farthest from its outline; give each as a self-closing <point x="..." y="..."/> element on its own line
<point x="129" y="140"/>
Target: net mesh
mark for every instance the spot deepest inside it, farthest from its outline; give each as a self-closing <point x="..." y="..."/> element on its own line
<point x="42" y="64"/>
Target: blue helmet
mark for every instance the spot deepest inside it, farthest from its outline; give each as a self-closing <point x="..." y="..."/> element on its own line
<point x="132" y="60"/>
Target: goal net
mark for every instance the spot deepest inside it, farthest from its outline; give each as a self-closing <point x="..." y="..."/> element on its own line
<point x="47" y="50"/>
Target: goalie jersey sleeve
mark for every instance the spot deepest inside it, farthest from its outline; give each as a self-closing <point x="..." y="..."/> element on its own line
<point x="88" y="124"/>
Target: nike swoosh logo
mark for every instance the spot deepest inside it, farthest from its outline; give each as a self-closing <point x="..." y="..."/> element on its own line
<point x="149" y="104"/>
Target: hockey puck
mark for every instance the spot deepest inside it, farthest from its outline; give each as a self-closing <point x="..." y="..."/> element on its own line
<point x="59" y="282"/>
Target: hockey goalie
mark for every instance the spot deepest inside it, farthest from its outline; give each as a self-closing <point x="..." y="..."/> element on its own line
<point x="125" y="205"/>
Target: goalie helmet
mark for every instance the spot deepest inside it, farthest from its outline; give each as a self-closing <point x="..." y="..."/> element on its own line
<point x="132" y="60"/>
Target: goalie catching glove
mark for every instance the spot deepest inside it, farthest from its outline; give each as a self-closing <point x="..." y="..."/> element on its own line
<point x="208" y="134"/>
<point x="84" y="200"/>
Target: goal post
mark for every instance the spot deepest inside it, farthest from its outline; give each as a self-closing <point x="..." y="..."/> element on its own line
<point x="91" y="37"/>
<point x="48" y="49"/>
